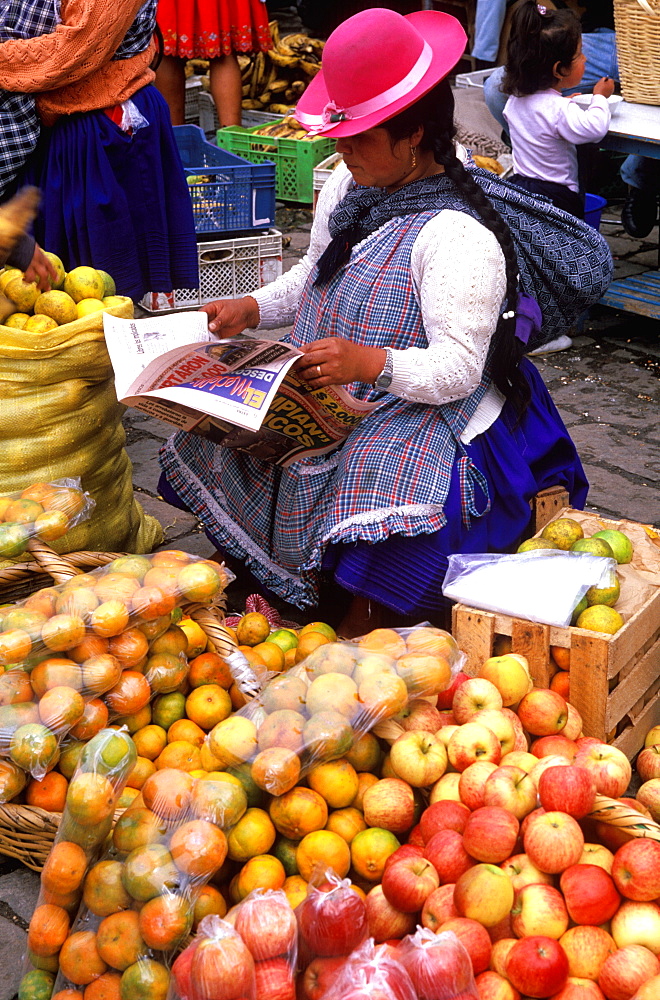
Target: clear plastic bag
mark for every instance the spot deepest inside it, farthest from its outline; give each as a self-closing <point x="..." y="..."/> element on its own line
<point x="542" y="585"/>
<point x="438" y="965"/>
<point x="268" y="926"/>
<point x="371" y="972"/>
<point x="45" y="511"/>
<point x="218" y="965"/>
<point x="332" y="919"/>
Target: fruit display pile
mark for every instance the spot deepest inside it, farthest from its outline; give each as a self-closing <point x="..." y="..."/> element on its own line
<point x="44" y="511"/>
<point x="73" y="295"/>
<point x="425" y="834"/>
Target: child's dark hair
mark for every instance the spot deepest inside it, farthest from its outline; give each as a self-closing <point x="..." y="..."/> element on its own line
<point x="435" y="113"/>
<point x="540" y="38"/>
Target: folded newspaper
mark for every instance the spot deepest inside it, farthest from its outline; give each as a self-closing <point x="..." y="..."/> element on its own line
<point x="238" y="392"/>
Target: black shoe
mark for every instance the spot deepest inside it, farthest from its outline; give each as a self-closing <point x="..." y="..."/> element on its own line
<point x="640" y="212"/>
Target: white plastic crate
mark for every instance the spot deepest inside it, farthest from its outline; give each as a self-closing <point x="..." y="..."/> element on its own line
<point x="194" y="90"/>
<point x="475" y="79"/>
<point x="322" y="172"/>
<point x="228" y="269"/>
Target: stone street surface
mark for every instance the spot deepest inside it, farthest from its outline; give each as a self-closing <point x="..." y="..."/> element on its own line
<point x="607" y="389"/>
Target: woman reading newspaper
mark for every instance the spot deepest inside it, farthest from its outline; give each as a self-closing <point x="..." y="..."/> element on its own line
<point x="409" y="295"/>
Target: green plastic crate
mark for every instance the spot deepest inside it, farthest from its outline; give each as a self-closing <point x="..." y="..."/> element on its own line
<point x="294" y="159"/>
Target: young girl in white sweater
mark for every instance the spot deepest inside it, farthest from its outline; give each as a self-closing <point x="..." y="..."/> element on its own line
<point x="544" y="57"/>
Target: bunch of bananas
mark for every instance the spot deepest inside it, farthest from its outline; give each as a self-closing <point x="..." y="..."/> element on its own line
<point x="286" y="128"/>
<point x="273" y="80"/>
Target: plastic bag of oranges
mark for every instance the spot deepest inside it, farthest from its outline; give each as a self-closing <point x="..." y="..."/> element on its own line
<point x="45" y="511"/>
<point x="371" y="972"/>
<point x="218" y="964"/>
<point x="95" y="648"/>
<point x="92" y="795"/>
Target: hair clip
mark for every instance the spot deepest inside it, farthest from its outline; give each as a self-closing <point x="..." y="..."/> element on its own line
<point x="541" y="9"/>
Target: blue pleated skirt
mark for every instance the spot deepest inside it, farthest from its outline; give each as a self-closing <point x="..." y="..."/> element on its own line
<point x="115" y="201"/>
<point x="517" y="458"/>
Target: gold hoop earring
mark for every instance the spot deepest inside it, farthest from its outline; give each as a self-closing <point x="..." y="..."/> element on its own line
<point x="414" y="157"/>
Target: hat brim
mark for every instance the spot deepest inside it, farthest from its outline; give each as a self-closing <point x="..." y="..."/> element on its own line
<point x="447" y="39"/>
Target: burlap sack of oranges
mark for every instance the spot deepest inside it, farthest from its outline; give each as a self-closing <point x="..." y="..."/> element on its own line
<point x="59" y="416"/>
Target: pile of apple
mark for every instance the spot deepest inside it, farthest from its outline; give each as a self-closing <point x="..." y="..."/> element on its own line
<point x="547" y="901"/>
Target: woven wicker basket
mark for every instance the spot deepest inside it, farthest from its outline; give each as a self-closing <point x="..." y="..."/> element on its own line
<point x="637" y="24"/>
<point x="27" y="833"/>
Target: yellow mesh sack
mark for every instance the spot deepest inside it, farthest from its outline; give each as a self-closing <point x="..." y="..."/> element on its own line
<point x="59" y="416"/>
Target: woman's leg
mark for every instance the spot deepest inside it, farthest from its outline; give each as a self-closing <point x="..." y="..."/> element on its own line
<point x="171" y="81"/>
<point x="226" y="89"/>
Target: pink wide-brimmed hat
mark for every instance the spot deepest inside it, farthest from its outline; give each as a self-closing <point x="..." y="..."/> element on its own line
<point x="376" y="64"/>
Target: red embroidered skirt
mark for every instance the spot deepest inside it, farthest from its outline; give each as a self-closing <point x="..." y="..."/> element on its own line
<point x="205" y="29"/>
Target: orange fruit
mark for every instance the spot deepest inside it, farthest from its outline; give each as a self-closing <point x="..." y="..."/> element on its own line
<point x="115" y="587"/>
<point x="165" y="672"/>
<point x="561" y="683"/>
<point x="200" y="581"/>
<point x="135" y="721"/>
<point x="129" y="694"/>
<point x="137" y="827"/>
<point x="80" y="602"/>
<point x="346" y="822"/>
<point x="382" y="696"/>
<point x="333" y="692"/>
<point x="425" y="639"/>
<point x="145" y="980"/>
<point x="62" y="632"/>
<point x="15" y="687"/>
<point x="196" y="636"/>
<point x="168" y="792"/>
<point x="209" y="900"/>
<point x="284" y="692"/>
<point x="209" y="668"/>
<point x="60" y="708"/>
<point x="323" y="847"/>
<point x="238" y="699"/>
<point x="261" y="872"/>
<point x="37" y="491"/>
<point x="90" y="799"/>
<point x="67" y="995"/>
<point x="423" y="673"/>
<point x="151" y="603"/>
<point x="101" y="673"/>
<point x="80" y="961"/>
<point x="42" y="601"/>
<point x="47" y="793"/>
<point x="365" y="754"/>
<point x="119" y="941"/>
<point x="253" y="834"/>
<point x="233" y="741"/>
<point x="307" y="643"/>
<point x="336" y="781"/>
<point x="142" y="769"/>
<point x="295" y="890"/>
<point x="282" y="728"/>
<point x="181" y="755"/>
<point x="165" y="921"/>
<point x="130" y="646"/>
<point x="106" y="987"/>
<point x="48" y="929"/>
<point x="252" y="629"/>
<point x="92" y="721"/>
<point x="271" y="654"/>
<point x="276" y="770"/>
<point x="384" y="640"/>
<point x="103" y="889"/>
<point x="56" y="671"/>
<point x="186" y="729"/>
<point x="69" y="758"/>
<point x="150" y="741"/>
<point x="92" y="645"/>
<point x="207" y="705"/>
<point x="148" y="872"/>
<point x="12" y="780"/>
<point x="221" y="801"/>
<point x="23" y="511"/>
<point x="370" y="849"/>
<point x="65" y="868"/>
<point x="164" y="577"/>
<point x="198" y="848"/>
<point x="127" y="798"/>
<point x="34" y="748"/>
<point x="253" y="658"/>
<point x="327" y="734"/>
<point x="15" y="645"/>
<point x="132" y="565"/>
<point x="65" y="498"/>
<point x="298" y="812"/>
<point x="562" y="656"/>
<point x="109" y="618"/>
<point x="68" y="901"/>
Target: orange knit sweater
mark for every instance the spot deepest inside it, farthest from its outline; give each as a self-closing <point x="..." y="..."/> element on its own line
<point x="72" y="69"/>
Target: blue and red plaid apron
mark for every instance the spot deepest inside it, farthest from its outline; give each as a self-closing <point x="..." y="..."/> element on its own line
<point x="390" y="477"/>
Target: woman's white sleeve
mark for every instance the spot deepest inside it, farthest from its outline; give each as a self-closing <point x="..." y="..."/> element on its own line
<point x="279" y="300"/>
<point x="460" y="279"/>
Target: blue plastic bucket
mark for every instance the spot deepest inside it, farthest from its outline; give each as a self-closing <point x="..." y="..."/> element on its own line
<point x="593" y="209"/>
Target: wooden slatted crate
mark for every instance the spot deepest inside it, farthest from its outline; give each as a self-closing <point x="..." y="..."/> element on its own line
<point x="615" y="680"/>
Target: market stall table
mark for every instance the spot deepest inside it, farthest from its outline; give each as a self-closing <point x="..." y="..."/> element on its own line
<point x="635" y="128"/>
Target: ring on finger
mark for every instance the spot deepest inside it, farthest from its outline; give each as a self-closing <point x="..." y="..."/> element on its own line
<point x="318" y="371"/>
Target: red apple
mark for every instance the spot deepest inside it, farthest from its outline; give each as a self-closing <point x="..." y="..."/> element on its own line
<point x="407" y="883"/>
<point x="574" y="723"/>
<point x="501" y="725"/>
<point x="597" y="854"/>
<point x="648" y="762"/>
<point x="419" y="714"/>
<point x="274" y="980"/>
<point x="636" y="869"/>
<point x="558" y="745"/>
<point x="500" y="930"/>
<point x="181" y="971"/>
<point x="543" y="712"/>
<point x="446" y="719"/>
<point x="389" y="804"/>
<point x="649" y="991"/>
<point x="443" y="815"/>
<point x="491" y="986"/>
<point x="472" y="783"/>
<point x="332" y="923"/>
<point x="528" y="819"/>
<point x="222" y="967"/>
<point x="415" y="838"/>
<point x="590" y="894"/>
<point x="490" y="834"/>
<point x="419" y="758"/>
<point x="568" y="789"/>
<point x="522" y="872"/>
<point x="510" y="675"/>
<point x="446" y="789"/>
<point x="553" y="841"/>
<point x="319" y="975"/>
<point x="439" y="907"/>
<point x="520" y="758"/>
<point x="511" y="788"/>
<point x="474" y="937"/>
<point x="537" y="966"/>
<point x="405" y="851"/>
<point x="544" y="763"/>
<point x="471" y="696"/>
<point x="648" y="795"/>
<point x="637" y="923"/>
<point x="586" y="949"/>
<point x="539" y="910"/>
<point x="609" y="766"/>
<point x="439" y="968"/>
<point x="522" y="740"/>
<point x="385" y="921"/>
<point x="580" y="989"/>
<point x="626" y="970"/>
<point x="446" y="852"/>
<point x="472" y="742"/>
<point x="446" y="697"/>
<point x="500" y="953"/>
<point x="268" y="926"/>
<point x="484" y="893"/>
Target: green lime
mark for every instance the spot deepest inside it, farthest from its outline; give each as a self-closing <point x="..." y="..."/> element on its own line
<point x="168" y="708"/>
<point x="285" y="638"/>
<point x="285" y="851"/>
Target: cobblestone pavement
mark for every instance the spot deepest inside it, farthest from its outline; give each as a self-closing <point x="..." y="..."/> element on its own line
<point x="607" y="388"/>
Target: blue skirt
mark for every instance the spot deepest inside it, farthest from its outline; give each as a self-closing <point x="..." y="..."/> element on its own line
<point x="116" y="201"/>
<point x="518" y="459"/>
